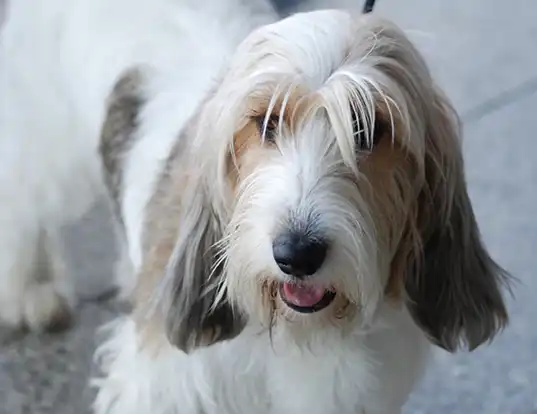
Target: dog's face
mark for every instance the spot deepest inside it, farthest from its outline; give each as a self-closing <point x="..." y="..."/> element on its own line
<point x="330" y="178"/>
<point x="322" y="182"/>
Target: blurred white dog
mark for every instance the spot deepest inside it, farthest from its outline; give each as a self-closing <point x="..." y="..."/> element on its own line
<point x="291" y="193"/>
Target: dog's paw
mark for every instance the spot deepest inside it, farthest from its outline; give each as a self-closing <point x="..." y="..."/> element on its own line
<point x="47" y="309"/>
<point x="39" y="307"/>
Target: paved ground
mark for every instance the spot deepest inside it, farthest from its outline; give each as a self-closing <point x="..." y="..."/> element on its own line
<point x="484" y="53"/>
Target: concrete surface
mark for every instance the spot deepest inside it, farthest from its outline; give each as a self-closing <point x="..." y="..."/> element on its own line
<point x="484" y="52"/>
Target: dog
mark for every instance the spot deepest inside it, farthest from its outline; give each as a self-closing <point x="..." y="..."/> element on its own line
<point x="290" y="195"/>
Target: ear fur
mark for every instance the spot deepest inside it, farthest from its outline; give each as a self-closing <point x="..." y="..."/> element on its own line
<point x="192" y="295"/>
<point x="453" y="285"/>
<point x="197" y="312"/>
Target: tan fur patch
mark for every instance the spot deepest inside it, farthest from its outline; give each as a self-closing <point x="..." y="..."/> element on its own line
<point x="245" y="140"/>
<point x="391" y="188"/>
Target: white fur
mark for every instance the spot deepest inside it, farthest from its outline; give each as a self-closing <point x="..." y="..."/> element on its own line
<point x="47" y="160"/>
<point x="371" y="372"/>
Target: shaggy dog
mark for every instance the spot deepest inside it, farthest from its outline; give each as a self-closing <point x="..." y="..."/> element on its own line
<point x="290" y="193"/>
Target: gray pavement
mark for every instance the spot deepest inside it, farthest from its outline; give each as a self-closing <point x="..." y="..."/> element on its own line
<point x="484" y="52"/>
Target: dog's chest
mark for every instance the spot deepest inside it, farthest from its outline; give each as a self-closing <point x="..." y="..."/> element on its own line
<point x="331" y="382"/>
<point x="258" y="378"/>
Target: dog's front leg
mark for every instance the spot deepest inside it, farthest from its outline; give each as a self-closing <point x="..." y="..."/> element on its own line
<point x="35" y="290"/>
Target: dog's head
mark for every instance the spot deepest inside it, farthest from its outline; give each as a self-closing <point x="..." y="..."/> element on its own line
<point x="325" y="175"/>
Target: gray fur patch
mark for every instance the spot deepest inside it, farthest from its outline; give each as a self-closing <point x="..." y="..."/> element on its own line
<point x="119" y="127"/>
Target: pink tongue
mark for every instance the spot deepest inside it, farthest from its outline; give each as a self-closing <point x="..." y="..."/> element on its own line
<point x="303" y="295"/>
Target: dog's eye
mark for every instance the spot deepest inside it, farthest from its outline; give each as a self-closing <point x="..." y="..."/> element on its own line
<point x="365" y="144"/>
<point x="271" y="129"/>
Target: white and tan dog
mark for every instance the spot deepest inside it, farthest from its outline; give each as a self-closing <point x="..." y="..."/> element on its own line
<point x="291" y="192"/>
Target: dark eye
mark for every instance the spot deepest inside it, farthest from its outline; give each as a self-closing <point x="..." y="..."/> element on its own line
<point x="363" y="142"/>
<point x="272" y="127"/>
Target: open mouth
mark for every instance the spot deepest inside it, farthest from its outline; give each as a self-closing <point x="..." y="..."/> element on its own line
<point x="306" y="298"/>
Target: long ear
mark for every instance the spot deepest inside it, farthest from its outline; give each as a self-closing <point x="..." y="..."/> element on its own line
<point x="453" y="285"/>
<point x="183" y="218"/>
<point x="195" y="305"/>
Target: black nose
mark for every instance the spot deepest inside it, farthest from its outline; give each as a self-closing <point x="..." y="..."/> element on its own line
<point x="298" y="254"/>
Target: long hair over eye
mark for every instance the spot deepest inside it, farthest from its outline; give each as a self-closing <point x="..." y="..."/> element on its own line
<point x="268" y="128"/>
<point x="366" y="139"/>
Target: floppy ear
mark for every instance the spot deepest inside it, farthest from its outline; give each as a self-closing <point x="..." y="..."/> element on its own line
<point x="196" y="308"/>
<point x="453" y="285"/>
<point x="183" y="217"/>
